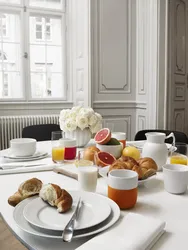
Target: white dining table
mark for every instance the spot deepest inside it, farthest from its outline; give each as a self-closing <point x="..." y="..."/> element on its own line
<point x="152" y="201"/>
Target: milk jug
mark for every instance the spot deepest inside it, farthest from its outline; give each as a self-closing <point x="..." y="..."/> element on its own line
<point x="155" y="147"/>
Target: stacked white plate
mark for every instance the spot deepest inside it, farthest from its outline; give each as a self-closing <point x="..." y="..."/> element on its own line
<point x="36" y="217"/>
<point x="36" y="156"/>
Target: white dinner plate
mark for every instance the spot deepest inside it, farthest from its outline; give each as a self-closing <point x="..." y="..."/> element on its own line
<point x="38" y="155"/>
<point x="140" y="144"/>
<point x="27" y="227"/>
<point x="41" y="214"/>
<point x="104" y="173"/>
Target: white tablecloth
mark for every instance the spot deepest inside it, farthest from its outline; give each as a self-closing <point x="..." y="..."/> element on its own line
<point x="153" y="201"/>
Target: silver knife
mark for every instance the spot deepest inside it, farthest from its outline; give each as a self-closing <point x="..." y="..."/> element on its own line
<point x="69" y="228"/>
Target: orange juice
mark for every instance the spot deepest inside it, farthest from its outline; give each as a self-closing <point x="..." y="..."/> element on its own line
<point x="124" y="143"/>
<point x="178" y="159"/>
<point x="58" y="154"/>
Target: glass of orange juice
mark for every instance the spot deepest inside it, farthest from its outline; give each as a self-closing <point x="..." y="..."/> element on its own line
<point x="120" y="136"/>
<point x="58" y="151"/>
<point x="179" y="156"/>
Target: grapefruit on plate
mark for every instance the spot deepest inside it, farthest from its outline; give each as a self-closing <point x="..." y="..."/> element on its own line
<point x="103" y="136"/>
<point x="103" y="159"/>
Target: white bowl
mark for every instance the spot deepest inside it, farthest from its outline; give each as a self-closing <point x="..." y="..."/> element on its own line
<point x="23" y="146"/>
<point x="115" y="150"/>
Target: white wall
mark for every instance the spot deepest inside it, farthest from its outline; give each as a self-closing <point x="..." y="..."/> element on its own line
<point x="125" y="68"/>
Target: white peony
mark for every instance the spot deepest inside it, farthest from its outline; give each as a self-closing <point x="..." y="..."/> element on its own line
<point x="76" y="109"/>
<point x="94" y="129"/>
<point x="80" y="117"/>
<point x="99" y="117"/>
<point x="93" y="120"/>
<point x="64" y="114"/>
<point x="82" y="122"/>
<point x="69" y="125"/>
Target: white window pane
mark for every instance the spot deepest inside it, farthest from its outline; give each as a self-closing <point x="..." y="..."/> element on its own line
<point x="54" y="57"/>
<point x="52" y="4"/>
<point x="11" y="1"/>
<point x="37" y="55"/>
<point x="57" y="89"/>
<point x="9" y="27"/>
<point x="12" y="52"/>
<point x="46" y="86"/>
<point x="10" y="85"/>
<point x="45" y="30"/>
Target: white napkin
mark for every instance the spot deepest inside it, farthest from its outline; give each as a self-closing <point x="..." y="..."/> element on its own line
<point x="28" y="169"/>
<point x="134" y="232"/>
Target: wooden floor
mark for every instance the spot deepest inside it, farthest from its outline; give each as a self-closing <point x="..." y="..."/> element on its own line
<point x="7" y="240"/>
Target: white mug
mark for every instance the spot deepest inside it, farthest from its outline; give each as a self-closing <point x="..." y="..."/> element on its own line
<point x="175" y="178"/>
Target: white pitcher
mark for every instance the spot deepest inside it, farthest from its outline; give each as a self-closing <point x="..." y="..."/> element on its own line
<point x="155" y="147"/>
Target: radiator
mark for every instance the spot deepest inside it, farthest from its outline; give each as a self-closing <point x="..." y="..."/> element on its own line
<point x="11" y="126"/>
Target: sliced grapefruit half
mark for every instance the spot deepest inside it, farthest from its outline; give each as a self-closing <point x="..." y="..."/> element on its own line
<point x="103" y="159"/>
<point x="103" y="136"/>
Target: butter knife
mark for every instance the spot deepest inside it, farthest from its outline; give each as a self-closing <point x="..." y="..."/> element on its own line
<point x="69" y="228"/>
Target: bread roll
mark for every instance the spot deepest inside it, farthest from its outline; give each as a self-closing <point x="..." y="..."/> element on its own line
<point x="130" y="162"/>
<point x="64" y="203"/>
<point x="56" y="196"/>
<point x="126" y="162"/>
<point x="15" y="199"/>
<point x="147" y="163"/>
<point x="30" y="187"/>
<point x="148" y="166"/>
<point x="26" y="189"/>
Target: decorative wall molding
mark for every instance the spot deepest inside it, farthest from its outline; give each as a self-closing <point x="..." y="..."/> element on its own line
<point x="141" y="120"/>
<point x="179" y="91"/>
<point x="123" y="124"/>
<point x="180" y="37"/>
<point x="142" y="40"/>
<point x="119" y="104"/>
<point x="110" y="52"/>
<point x="179" y="119"/>
<point x="80" y="49"/>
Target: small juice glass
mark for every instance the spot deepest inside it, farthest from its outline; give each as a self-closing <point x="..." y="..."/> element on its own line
<point x="81" y="161"/>
<point x="58" y="151"/>
<point x="179" y="156"/>
<point x="70" y="148"/>
<point x="120" y="136"/>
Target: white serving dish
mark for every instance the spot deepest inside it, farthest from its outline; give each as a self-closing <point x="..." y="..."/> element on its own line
<point x="114" y="150"/>
<point x="22" y="147"/>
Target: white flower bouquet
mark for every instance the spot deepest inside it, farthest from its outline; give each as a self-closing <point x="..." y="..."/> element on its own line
<point x="79" y="117"/>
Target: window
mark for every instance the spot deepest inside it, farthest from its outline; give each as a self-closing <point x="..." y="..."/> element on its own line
<point x="34" y="47"/>
<point x="43" y="28"/>
<point x="3" y="25"/>
<point x="43" y="80"/>
<point x="5" y="85"/>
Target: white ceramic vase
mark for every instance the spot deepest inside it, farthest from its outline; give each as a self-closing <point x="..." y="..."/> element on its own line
<point x="82" y="136"/>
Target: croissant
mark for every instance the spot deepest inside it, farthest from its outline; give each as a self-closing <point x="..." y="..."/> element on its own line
<point x="148" y="166"/>
<point x="26" y="189"/>
<point x="55" y="196"/>
<point x="126" y="162"/>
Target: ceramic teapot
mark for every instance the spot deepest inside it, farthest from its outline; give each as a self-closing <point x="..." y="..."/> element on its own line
<point x="155" y="147"/>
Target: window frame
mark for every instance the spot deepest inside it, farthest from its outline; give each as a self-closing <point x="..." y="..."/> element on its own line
<point x="25" y="11"/>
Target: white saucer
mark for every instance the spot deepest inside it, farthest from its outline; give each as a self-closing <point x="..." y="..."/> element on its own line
<point x="27" y="227"/>
<point x="42" y="215"/>
<point x="104" y="173"/>
<point x="38" y="155"/>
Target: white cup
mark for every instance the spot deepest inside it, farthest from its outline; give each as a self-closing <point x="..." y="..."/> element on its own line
<point x="87" y="178"/>
<point x="23" y="146"/>
<point x="175" y="178"/>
